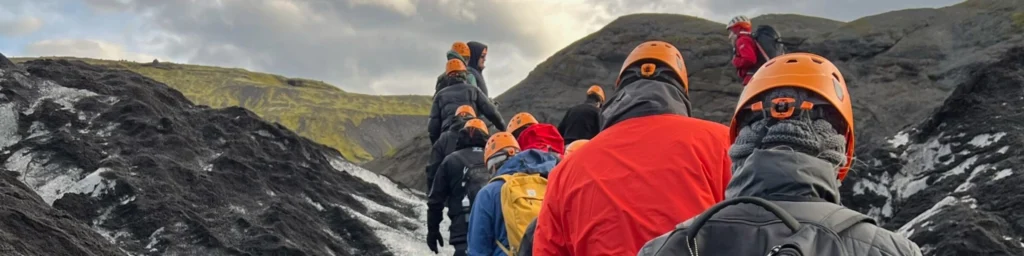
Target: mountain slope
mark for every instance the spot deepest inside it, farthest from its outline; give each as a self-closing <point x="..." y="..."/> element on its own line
<point x="360" y="126"/>
<point x="899" y="65"/>
<point x="133" y="162"/>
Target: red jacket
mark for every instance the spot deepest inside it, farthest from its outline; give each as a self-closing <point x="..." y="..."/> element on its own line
<point x="542" y="137"/>
<point x="635" y="180"/>
<point x="745" y="59"/>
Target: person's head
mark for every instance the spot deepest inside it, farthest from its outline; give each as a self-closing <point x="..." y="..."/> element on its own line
<point x="655" y="60"/>
<point x="575" y="145"/>
<point x="520" y="122"/>
<point x="474" y="133"/>
<point x="796" y="101"/>
<point x="499" y="148"/>
<point x="595" y="95"/>
<point x="461" y="48"/>
<point x="478" y="55"/>
<point x="465" y="111"/>
<point x="455" y="72"/>
<point x="737" y="25"/>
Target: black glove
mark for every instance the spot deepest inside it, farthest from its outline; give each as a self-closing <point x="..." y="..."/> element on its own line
<point x="434" y="240"/>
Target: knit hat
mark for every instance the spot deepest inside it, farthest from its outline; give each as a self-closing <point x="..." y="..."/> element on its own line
<point x="806" y="134"/>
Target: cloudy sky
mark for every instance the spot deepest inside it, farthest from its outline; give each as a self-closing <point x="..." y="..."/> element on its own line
<point x="365" y="46"/>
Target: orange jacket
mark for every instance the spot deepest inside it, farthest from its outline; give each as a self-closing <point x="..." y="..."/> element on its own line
<point x="648" y="171"/>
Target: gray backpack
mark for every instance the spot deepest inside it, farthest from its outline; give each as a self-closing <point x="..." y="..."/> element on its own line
<point x="741" y="239"/>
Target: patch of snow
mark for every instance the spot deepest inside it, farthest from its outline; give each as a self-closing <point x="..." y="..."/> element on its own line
<point x="959" y="169"/>
<point x="1003" y="174"/>
<point x="8" y="125"/>
<point x="913" y="187"/>
<point x="153" y="239"/>
<point x="385" y="184"/>
<point x="271" y="193"/>
<point x="49" y="181"/>
<point x="93" y="184"/>
<point x="264" y="133"/>
<point x="900" y="139"/>
<point x="984" y="140"/>
<point x="1007" y="238"/>
<point x="968" y="184"/>
<point x="907" y="229"/>
<point x="64" y="96"/>
<point x="127" y="200"/>
<point x="240" y="210"/>
<point x="318" y="206"/>
<point x="399" y="242"/>
<point x="1003" y="149"/>
<point x="880" y="187"/>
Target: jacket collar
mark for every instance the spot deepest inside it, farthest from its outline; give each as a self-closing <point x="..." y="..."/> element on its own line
<point x="780" y="172"/>
<point x="644" y="97"/>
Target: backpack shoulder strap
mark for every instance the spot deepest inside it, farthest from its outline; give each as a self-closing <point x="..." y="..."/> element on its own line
<point x="503" y="177"/>
<point x="843" y="218"/>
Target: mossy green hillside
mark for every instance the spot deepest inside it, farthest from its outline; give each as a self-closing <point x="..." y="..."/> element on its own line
<point x="313" y="109"/>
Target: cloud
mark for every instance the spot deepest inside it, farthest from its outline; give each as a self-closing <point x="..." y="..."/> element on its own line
<point x="397" y="46"/>
<point x="84" y="48"/>
<point x="17" y="27"/>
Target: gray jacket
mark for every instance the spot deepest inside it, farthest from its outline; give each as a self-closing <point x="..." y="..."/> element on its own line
<point x="803" y="186"/>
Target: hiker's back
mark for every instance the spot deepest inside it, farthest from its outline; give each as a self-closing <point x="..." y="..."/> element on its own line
<point x="453" y="96"/>
<point x="763" y="233"/>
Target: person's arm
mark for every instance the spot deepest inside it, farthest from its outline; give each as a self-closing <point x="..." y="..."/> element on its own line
<point x="436" y="156"/>
<point x="481" y="221"/>
<point x="480" y="82"/>
<point x="563" y="125"/>
<point x="484" y="105"/>
<point x="434" y="125"/>
<point x="437" y="196"/>
<point x="549" y="239"/>
<point x="746" y="53"/>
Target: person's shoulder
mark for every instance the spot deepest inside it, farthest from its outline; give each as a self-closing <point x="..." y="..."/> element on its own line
<point x="697" y="123"/>
<point x="871" y="236"/>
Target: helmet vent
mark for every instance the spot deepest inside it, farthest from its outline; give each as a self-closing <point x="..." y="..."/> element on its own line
<point x="792" y="61"/>
<point x="836" y="76"/>
<point x="769" y="63"/>
<point x="819" y="61"/>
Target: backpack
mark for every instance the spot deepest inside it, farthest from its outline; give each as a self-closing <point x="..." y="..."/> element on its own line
<point x="798" y="239"/>
<point x="474" y="178"/>
<point x="769" y="43"/>
<point x="521" y="199"/>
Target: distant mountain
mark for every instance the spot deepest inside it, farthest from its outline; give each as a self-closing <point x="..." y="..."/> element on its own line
<point x="361" y="127"/>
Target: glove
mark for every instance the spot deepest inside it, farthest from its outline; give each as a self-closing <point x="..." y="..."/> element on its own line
<point x="434" y="240"/>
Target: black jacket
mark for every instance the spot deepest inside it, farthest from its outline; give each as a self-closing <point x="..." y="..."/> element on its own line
<point x="449" y="98"/>
<point x="447" y="190"/>
<point x="794" y="178"/>
<point x="444" y="145"/>
<point x="581" y="122"/>
<point x="476" y="50"/>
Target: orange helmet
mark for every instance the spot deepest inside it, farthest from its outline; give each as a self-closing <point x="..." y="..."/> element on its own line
<point x="806" y="71"/>
<point x="465" y="110"/>
<point x="575" y="145"/>
<point x="454" y="65"/>
<point x="596" y="90"/>
<point x="651" y="54"/>
<point x="502" y="142"/>
<point x="477" y="125"/>
<point x="520" y="120"/>
<point x="462" y="48"/>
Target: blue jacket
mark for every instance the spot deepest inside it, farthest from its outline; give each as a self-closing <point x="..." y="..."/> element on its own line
<point x="486" y="223"/>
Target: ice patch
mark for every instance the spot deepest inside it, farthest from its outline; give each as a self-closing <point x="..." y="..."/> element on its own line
<point x="153" y="239"/>
<point x="959" y="169"/>
<point x="8" y="126"/>
<point x="1003" y="149"/>
<point x="240" y="210"/>
<point x="64" y="96"/>
<point x="49" y="181"/>
<point x="900" y="139"/>
<point x="984" y="140"/>
<point x="1003" y="174"/>
<point x="913" y="187"/>
<point x="318" y="206"/>
<point x="967" y="183"/>
<point x="385" y="184"/>
<point x="399" y="242"/>
<point x="93" y="184"/>
<point x="907" y="230"/>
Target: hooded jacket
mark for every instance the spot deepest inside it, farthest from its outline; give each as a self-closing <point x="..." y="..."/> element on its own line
<point x="471" y="78"/>
<point x="487" y="223"/>
<point x="476" y="50"/>
<point x="650" y="168"/>
<point x="447" y="190"/>
<point x="805" y="187"/>
<point x="745" y="59"/>
<point x="445" y="144"/>
<point x="581" y="122"/>
<point x="449" y="98"/>
<point x="544" y="137"/>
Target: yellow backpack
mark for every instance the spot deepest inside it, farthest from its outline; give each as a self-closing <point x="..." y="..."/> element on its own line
<point x="521" y="198"/>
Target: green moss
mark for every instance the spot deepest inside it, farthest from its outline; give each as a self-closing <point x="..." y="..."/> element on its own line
<point x="1018" y="20"/>
<point x="313" y="109"/>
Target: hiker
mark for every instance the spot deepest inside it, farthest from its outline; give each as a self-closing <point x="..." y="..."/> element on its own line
<point x="506" y="205"/>
<point x="447" y="142"/>
<point x="459" y="51"/>
<point x="752" y="49"/>
<point x="575" y="145"/>
<point x="651" y="166"/>
<point x="450" y="187"/>
<point x="793" y="136"/>
<point x="583" y="121"/>
<point x="532" y="134"/>
<point x="477" y="57"/>
<point x="456" y="93"/>
<point x="744" y="58"/>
